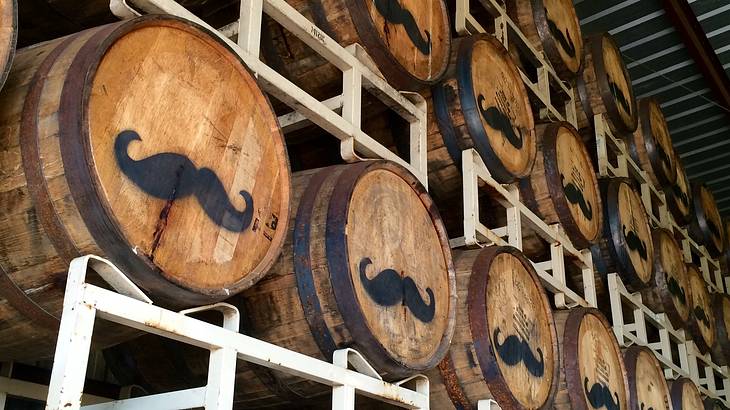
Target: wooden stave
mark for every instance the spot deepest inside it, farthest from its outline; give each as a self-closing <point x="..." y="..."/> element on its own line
<point x="473" y="265"/>
<point x="658" y="298"/>
<point x="586" y="92"/>
<point x="557" y="210"/>
<point x="631" y="355"/>
<point x="721" y="348"/>
<point x="642" y="146"/>
<point x="534" y="25"/>
<point x="699" y="228"/>
<point x="675" y="196"/>
<point x="692" y="325"/>
<point x="676" y="392"/>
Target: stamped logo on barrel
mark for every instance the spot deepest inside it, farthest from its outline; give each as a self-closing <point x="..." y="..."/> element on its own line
<point x="634" y="227"/>
<point x="618" y="83"/>
<point x="651" y="387"/>
<point x="564" y="29"/>
<point x="600" y="366"/>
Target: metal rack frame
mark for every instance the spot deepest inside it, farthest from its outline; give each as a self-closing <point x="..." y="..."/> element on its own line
<point x="358" y="73"/>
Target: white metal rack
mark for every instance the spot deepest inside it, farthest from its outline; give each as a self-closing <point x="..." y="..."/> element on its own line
<point x="340" y="115"/>
<point x="85" y="303"/>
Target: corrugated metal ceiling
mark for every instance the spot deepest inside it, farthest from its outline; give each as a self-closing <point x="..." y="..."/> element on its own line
<point x="660" y="66"/>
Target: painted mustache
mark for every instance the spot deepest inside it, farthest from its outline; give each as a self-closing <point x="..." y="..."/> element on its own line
<point x="601" y="396"/>
<point x="619" y="96"/>
<point x="575" y="196"/>
<point x="499" y="121"/>
<point x="635" y="243"/>
<point x="642" y="406"/>
<point x="680" y="194"/>
<point x="515" y="350"/>
<point x="676" y="290"/>
<point x="172" y="176"/>
<point x="563" y="39"/>
<point x="387" y="288"/>
<point x="394" y="13"/>
<point x="664" y="157"/>
<point x="702" y="316"/>
<point x="713" y="228"/>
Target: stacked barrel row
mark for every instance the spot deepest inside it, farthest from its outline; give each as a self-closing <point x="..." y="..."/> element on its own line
<point x="149" y="143"/>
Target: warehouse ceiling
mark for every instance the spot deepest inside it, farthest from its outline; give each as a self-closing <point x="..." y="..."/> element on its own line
<point x="661" y="66"/>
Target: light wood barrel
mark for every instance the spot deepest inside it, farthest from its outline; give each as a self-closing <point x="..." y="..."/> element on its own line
<point x="409" y="41"/>
<point x="604" y="86"/>
<point x="701" y="326"/>
<point x="505" y="347"/>
<point x="648" y="388"/>
<point x="114" y="148"/>
<point x="563" y="186"/>
<point x="593" y="374"/>
<point x="721" y="308"/>
<point x="669" y="292"/>
<point x="706" y="225"/>
<point x="625" y="247"/>
<point x="685" y="395"/>
<point x="651" y="145"/>
<point x="679" y="196"/>
<point x="8" y="36"/>
<point x="552" y="27"/>
<point x="481" y="104"/>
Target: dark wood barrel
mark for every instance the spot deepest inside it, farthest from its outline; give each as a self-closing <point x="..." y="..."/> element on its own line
<point x="651" y="145"/>
<point x="8" y="36"/>
<point x="702" y="325"/>
<point x="505" y="347"/>
<point x="43" y="20"/>
<point x="626" y="246"/>
<point x="721" y="308"/>
<point x="563" y="186"/>
<point x="552" y="26"/>
<point x="679" y="196"/>
<point x="648" y="388"/>
<point x="114" y="148"/>
<point x="685" y="395"/>
<point x="593" y="374"/>
<point x="669" y="292"/>
<point x="409" y="41"/>
<point x="706" y="225"/>
<point x="481" y="104"/>
<point x="604" y="86"/>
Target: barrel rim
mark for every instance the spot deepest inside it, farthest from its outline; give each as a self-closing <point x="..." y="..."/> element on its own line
<point x="548" y="41"/>
<point x="700" y="218"/>
<point x="471" y="112"/>
<point x="692" y="326"/>
<point x="558" y="198"/>
<point x="571" y="367"/>
<point x="479" y="326"/>
<point x="631" y="355"/>
<point x="386" y="62"/>
<point x="721" y="348"/>
<point x="86" y="186"/>
<point x="660" y="282"/>
<point x="650" y="142"/>
<point x="595" y="42"/>
<point x="682" y="219"/>
<point x="677" y="389"/>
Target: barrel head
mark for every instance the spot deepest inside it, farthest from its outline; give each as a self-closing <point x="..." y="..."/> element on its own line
<point x="651" y="144"/>
<point x="702" y="326"/>
<point x="707" y="226"/>
<point x="685" y="395"/>
<point x="647" y="386"/>
<point x="679" y="196"/>
<point x="559" y="29"/>
<point x="671" y="278"/>
<point x="721" y="307"/>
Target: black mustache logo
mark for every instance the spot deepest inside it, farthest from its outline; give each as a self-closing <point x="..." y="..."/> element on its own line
<point x="499" y="121"/>
<point x="387" y="288"/>
<point x="515" y="350"/>
<point x="169" y="176"/>
<point x="664" y="157"/>
<point x="394" y="13"/>
<point x="643" y="405"/>
<point x="681" y="195"/>
<point x="635" y="243"/>
<point x="701" y="315"/>
<point x="563" y="39"/>
<point x="676" y="290"/>
<point x="575" y="196"/>
<point x="619" y="96"/>
<point x="601" y="396"/>
<point x="714" y="229"/>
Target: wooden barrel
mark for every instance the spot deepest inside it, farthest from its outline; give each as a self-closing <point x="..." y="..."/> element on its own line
<point x="706" y="225"/>
<point x="8" y="36"/>
<point x="647" y="386"/>
<point x="552" y="26"/>
<point x="481" y="104"/>
<point x="721" y="309"/>
<point x="563" y="186"/>
<point x="113" y="147"/>
<point x="505" y="347"/>
<point x="651" y="145"/>
<point x="669" y="292"/>
<point x="604" y="86"/>
<point x="701" y="325"/>
<point x="713" y="404"/>
<point x="593" y="374"/>
<point x="685" y="395"/>
<point x="409" y="41"/>
<point x="626" y="246"/>
<point x="679" y="196"/>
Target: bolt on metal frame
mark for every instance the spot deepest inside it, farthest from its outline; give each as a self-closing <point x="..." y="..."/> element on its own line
<point x="129" y="306"/>
<point x="341" y="115"/>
